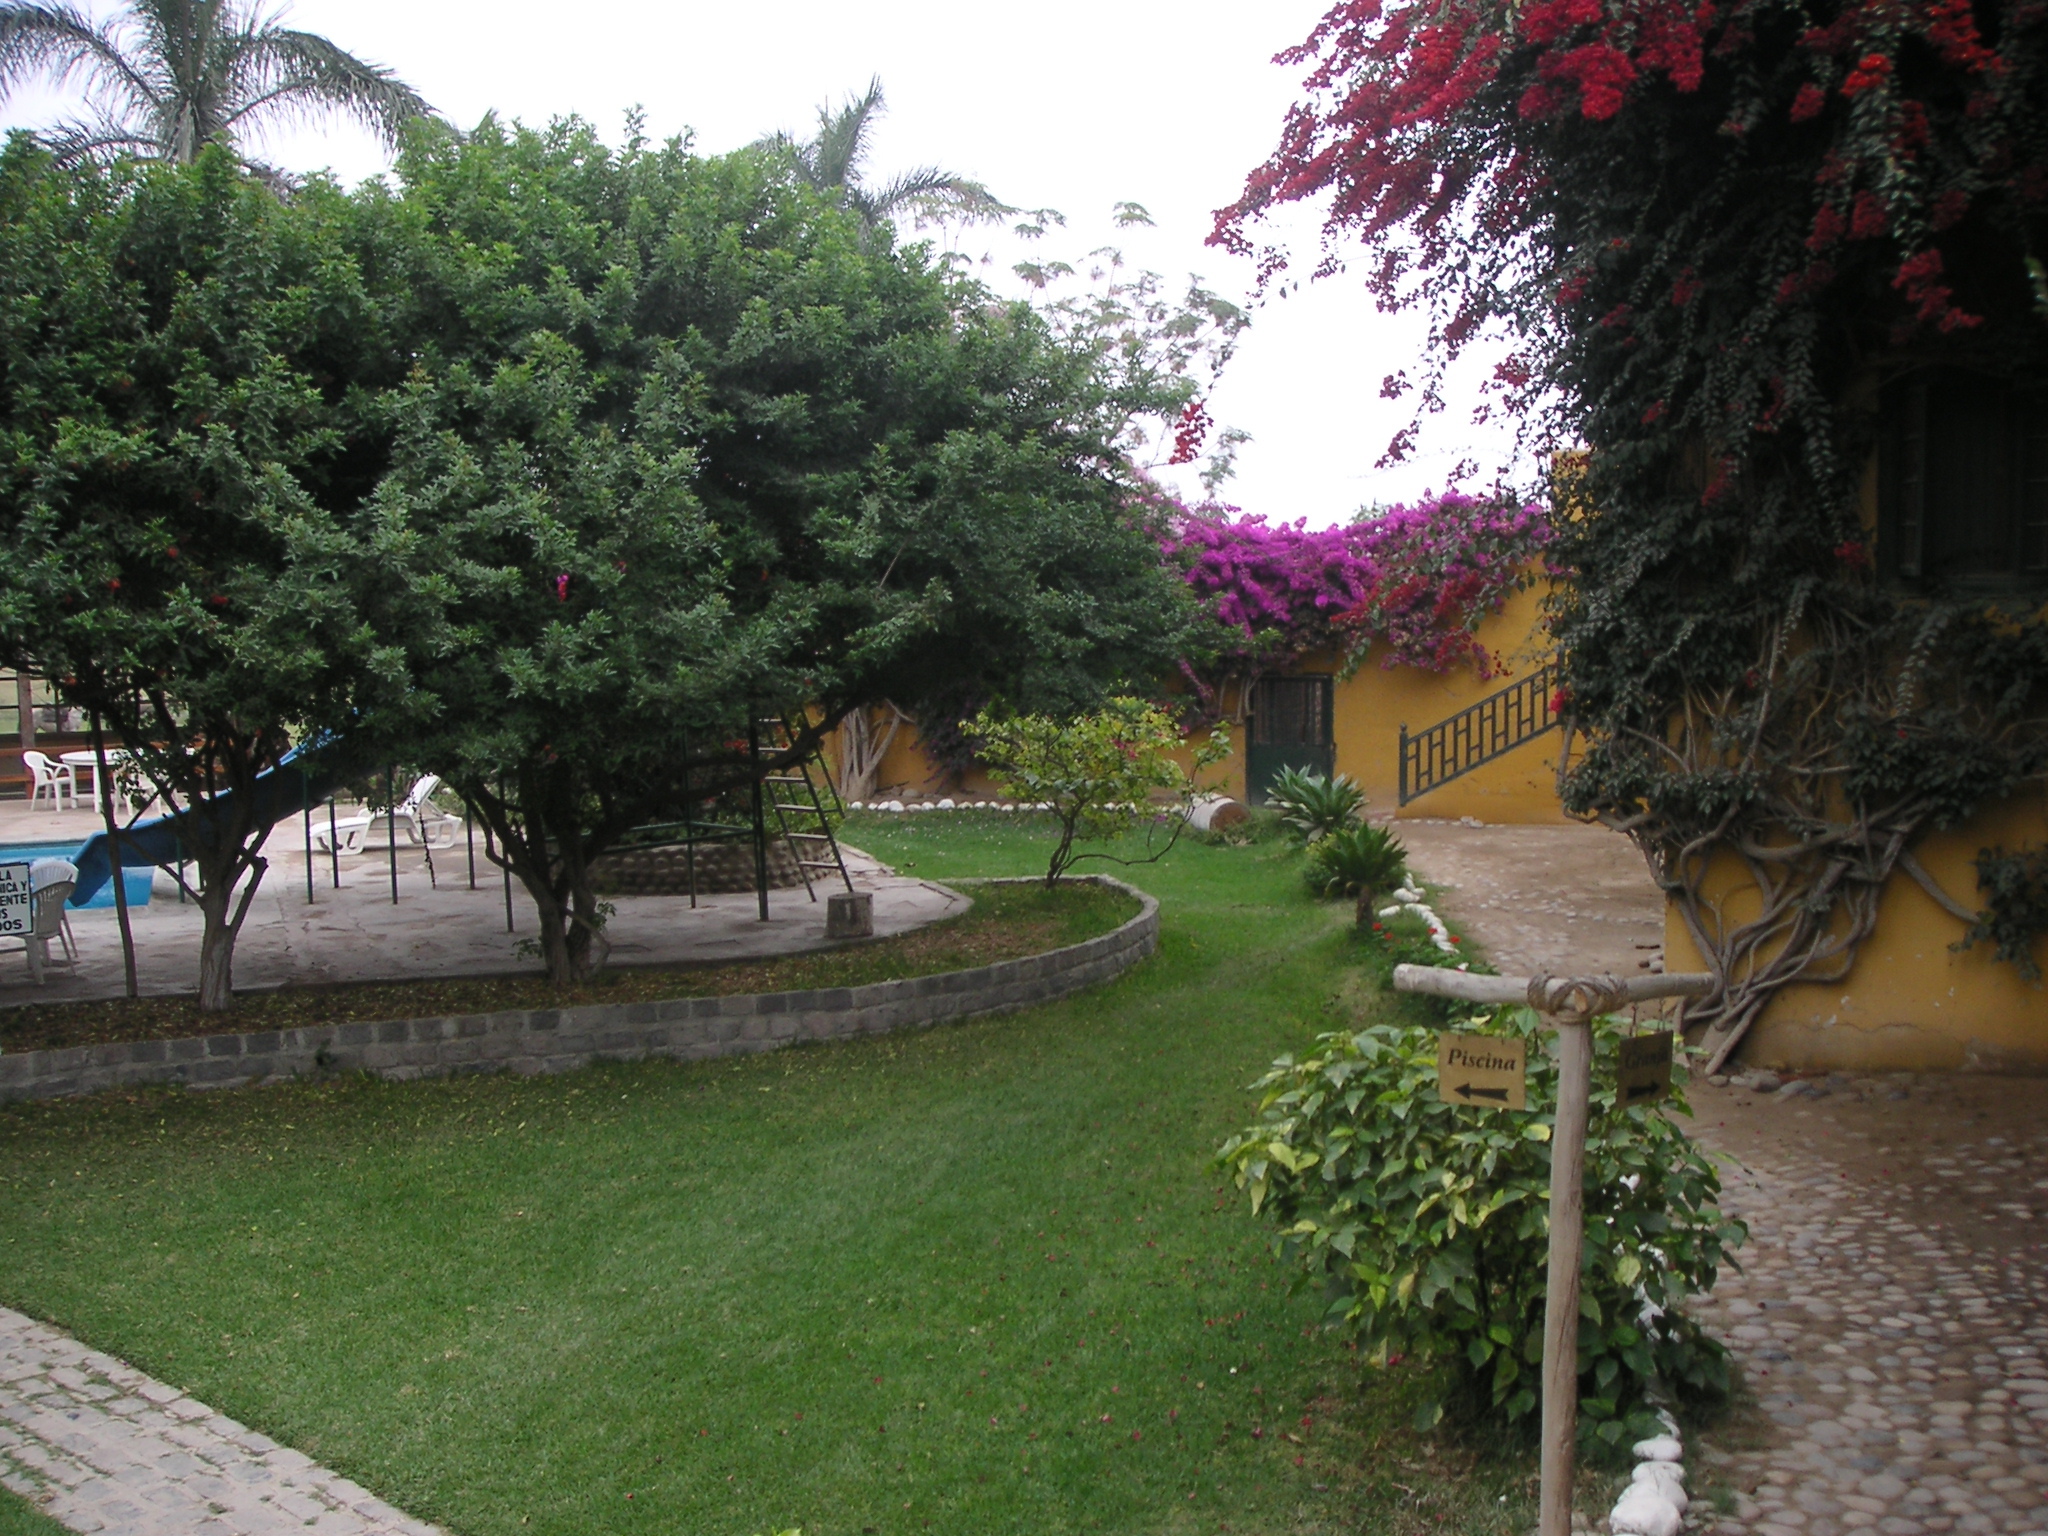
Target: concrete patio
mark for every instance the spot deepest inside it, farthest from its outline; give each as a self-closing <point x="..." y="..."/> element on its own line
<point x="438" y="926"/>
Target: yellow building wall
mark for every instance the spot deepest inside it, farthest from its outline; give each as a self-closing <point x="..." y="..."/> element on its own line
<point x="1909" y="1003"/>
<point x="1368" y="710"/>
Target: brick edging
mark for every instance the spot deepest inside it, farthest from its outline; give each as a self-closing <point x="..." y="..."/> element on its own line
<point x="534" y="1040"/>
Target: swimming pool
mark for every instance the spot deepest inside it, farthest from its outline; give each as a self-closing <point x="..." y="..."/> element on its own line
<point x="27" y="853"/>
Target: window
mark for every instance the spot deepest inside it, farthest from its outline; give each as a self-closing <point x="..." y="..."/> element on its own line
<point x="1963" y="484"/>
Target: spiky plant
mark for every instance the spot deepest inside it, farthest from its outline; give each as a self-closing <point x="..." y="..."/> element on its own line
<point x="162" y="79"/>
<point x="1313" y="804"/>
<point x="1358" y="860"/>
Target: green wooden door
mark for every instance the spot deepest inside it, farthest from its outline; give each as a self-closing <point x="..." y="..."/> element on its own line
<point x="1290" y="727"/>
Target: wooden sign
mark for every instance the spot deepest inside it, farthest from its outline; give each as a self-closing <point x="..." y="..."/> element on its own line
<point x="1645" y="1076"/>
<point x="1486" y="1070"/>
<point x="14" y="898"/>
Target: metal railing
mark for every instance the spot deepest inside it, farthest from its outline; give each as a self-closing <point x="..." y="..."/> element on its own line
<point x="1479" y="733"/>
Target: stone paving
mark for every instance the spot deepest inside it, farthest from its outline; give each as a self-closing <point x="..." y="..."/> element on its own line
<point x="101" y="1447"/>
<point x="1891" y="1319"/>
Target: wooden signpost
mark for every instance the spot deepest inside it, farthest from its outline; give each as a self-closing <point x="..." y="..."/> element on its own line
<point x="1568" y="1005"/>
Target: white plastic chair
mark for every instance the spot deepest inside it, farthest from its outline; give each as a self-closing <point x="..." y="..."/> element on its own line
<point x="43" y="874"/>
<point x="46" y="922"/>
<point x="46" y="773"/>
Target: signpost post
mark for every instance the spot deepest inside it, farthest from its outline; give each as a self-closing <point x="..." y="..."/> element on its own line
<point x="1568" y="1005"/>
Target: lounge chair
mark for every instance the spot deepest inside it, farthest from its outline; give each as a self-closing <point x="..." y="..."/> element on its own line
<point x="423" y="826"/>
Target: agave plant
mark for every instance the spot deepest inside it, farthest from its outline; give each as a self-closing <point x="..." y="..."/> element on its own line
<point x="1358" y="860"/>
<point x="1314" y="805"/>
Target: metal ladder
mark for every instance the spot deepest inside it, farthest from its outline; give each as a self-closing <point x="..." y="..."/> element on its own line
<point x="795" y="795"/>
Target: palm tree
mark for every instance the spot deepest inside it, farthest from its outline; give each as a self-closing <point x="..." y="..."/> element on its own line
<point x="832" y="161"/>
<point x="166" y="78"/>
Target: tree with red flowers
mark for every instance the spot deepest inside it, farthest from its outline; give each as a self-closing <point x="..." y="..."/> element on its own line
<point x="1709" y="237"/>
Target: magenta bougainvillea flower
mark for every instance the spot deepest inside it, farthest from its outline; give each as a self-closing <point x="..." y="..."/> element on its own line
<point x="1407" y="586"/>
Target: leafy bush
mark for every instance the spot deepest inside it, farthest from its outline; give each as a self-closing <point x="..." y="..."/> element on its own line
<point x="1099" y="772"/>
<point x="1313" y="805"/>
<point x="1427" y="1223"/>
<point x="1357" y="860"/>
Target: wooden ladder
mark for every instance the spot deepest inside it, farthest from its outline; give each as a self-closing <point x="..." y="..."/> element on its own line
<point x="795" y="799"/>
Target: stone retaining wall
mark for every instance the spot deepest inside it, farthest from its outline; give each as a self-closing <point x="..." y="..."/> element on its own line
<point x="533" y="1040"/>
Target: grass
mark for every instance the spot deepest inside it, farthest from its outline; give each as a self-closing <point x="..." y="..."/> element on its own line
<point x="18" y="1517"/>
<point x="1005" y="923"/>
<point x="981" y="1278"/>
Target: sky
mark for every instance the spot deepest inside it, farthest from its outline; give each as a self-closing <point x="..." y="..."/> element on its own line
<point x="1071" y="104"/>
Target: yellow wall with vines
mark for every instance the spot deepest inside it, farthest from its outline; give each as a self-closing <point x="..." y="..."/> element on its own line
<point x="1909" y="1002"/>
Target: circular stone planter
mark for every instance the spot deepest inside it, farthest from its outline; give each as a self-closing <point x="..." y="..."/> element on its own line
<point x="534" y="1040"/>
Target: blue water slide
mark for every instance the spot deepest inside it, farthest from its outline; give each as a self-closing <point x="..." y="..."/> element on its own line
<point x="280" y="792"/>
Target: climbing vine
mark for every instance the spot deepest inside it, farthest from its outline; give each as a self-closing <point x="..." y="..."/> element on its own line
<point x="1707" y="238"/>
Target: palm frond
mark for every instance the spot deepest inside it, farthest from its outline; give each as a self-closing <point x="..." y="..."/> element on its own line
<point x="941" y="194"/>
<point x="284" y="73"/>
<point x="61" y="43"/>
<point x="71" y="142"/>
<point x="842" y="141"/>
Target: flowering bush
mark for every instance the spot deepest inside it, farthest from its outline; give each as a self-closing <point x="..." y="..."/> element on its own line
<point x="1415" y="580"/>
<point x="1441" y="566"/>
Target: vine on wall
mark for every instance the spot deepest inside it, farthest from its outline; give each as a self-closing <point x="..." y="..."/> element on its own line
<point x="1706" y="238"/>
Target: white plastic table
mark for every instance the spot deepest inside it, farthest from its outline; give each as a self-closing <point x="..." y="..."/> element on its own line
<point x="88" y="763"/>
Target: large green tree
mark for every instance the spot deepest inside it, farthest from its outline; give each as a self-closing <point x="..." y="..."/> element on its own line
<point x="189" y="372"/>
<point x="163" y="79"/>
<point x="685" y="442"/>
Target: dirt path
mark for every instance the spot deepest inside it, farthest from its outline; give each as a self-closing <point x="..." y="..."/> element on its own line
<point x="1548" y="898"/>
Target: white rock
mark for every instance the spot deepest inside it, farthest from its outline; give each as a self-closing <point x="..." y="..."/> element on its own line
<point x="1643" y="1511"/>
<point x="894" y="805"/>
<point x="946" y="804"/>
<point x="1666" y="1478"/>
<point x="1390" y="911"/>
<point x="1658" y="1448"/>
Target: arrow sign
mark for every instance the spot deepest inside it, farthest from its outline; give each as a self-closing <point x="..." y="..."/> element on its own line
<point x="1467" y="1092"/>
<point x="1483" y="1070"/>
<point x="1644" y="1075"/>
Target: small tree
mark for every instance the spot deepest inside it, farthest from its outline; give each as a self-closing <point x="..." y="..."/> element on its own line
<point x="1101" y="773"/>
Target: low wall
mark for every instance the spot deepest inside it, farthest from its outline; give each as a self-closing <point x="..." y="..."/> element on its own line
<point x="718" y="869"/>
<point x="535" y="1040"/>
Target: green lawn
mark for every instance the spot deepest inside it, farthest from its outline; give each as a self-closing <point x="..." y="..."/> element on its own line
<point x="977" y="1279"/>
<point x="18" y="1517"/>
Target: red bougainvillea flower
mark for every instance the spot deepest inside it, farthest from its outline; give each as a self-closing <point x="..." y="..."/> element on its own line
<point x="1872" y="70"/>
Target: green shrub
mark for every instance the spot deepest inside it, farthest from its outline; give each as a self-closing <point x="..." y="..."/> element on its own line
<point x="1427" y="1223"/>
<point x="1101" y="774"/>
<point x="1315" y="806"/>
<point x="1357" y="860"/>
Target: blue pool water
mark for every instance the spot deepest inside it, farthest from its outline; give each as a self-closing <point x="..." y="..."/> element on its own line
<point x="27" y="853"/>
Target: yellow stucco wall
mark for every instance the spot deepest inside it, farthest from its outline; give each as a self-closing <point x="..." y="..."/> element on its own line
<point x="1910" y="1003"/>
<point x="1368" y="710"/>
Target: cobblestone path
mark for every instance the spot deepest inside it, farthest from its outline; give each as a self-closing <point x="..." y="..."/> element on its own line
<point x="101" y="1447"/>
<point x="1892" y="1323"/>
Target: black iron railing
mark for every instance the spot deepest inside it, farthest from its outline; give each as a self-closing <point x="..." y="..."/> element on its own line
<point x="1479" y="733"/>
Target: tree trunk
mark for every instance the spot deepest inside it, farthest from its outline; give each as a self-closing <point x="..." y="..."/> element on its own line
<point x="222" y="913"/>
